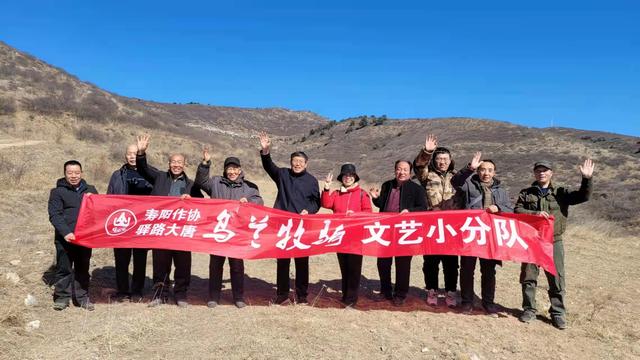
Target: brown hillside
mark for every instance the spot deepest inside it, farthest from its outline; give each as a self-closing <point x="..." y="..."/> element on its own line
<point x="48" y="116"/>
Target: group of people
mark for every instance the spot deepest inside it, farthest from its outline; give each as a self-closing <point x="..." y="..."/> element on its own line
<point x="439" y="187"/>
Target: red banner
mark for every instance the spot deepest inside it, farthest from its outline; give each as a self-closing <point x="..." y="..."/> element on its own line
<point x="249" y="231"/>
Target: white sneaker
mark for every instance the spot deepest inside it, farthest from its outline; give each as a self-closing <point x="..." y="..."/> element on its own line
<point x="432" y="297"/>
<point x="451" y="299"/>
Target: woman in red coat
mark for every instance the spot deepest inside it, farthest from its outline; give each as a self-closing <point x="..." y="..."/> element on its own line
<point x="350" y="198"/>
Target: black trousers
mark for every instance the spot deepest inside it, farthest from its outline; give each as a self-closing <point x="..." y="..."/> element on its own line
<point x="487" y="279"/>
<point x="162" y="268"/>
<point x="431" y="269"/>
<point x="403" y="273"/>
<point x="72" y="271"/>
<point x="302" y="277"/>
<point x="236" y="267"/>
<point x="123" y="258"/>
<point x="351" y="269"/>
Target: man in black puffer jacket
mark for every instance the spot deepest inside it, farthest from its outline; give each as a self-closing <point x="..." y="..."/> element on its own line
<point x="173" y="182"/>
<point x="127" y="181"/>
<point x="398" y="195"/>
<point x="72" y="261"/>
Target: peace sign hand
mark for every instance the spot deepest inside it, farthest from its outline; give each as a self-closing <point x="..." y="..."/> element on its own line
<point x="328" y="180"/>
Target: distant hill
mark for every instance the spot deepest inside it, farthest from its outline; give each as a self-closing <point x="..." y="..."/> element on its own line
<point x="39" y="102"/>
<point x="29" y="84"/>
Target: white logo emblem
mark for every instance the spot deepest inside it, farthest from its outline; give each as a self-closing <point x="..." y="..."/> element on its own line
<point x="120" y="221"/>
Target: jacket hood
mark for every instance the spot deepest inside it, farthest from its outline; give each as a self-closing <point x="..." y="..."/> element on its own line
<point x="62" y="182"/>
<point x="432" y="162"/>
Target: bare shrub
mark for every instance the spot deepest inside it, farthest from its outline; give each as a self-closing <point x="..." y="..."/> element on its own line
<point x="46" y="105"/>
<point x="13" y="171"/>
<point x="7" y="106"/>
<point x="91" y="134"/>
<point x="97" y="107"/>
<point x="117" y="151"/>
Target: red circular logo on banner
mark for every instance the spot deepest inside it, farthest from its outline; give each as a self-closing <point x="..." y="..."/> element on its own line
<point x="120" y="221"/>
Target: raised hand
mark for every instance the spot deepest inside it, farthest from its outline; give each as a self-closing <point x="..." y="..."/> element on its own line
<point x="328" y="180"/>
<point x="586" y="169"/>
<point x="431" y="142"/>
<point x="374" y="192"/>
<point x="143" y="143"/>
<point x="475" y="162"/>
<point x="206" y="157"/>
<point x="265" y="142"/>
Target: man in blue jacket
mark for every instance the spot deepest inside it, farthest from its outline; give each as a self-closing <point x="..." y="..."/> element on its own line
<point x="127" y="181"/>
<point x="297" y="193"/>
<point x="72" y="261"/>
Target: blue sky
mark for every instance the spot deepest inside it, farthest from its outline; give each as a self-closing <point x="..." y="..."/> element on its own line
<point x="562" y="63"/>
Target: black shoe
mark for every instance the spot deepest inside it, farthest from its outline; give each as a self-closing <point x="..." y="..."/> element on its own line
<point x="281" y="300"/>
<point x="302" y="301"/>
<point x="527" y="316"/>
<point x="123" y="298"/>
<point x="382" y="297"/>
<point x="136" y="298"/>
<point x="349" y="305"/>
<point x="466" y="308"/>
<point x="397" y="301"/>
<point x="559" y="321"/>
<point x="491" y="310"/>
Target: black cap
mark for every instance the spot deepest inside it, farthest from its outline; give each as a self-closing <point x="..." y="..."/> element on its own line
<point x="348" y="169"/>
<point x="543" y="163"/>
<point x="231" y="160"/>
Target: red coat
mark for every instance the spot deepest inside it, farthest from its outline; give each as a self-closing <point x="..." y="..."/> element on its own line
<point x="354" y="199"/>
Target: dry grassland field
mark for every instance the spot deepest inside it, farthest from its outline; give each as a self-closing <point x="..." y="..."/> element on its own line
<point x="48" y="117"/>
<point x="603" y="285"/>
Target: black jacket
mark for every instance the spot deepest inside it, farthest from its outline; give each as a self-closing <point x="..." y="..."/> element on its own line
<point x="296" y="192"/>
<point x="412" y="196"/>
<point x="64" y="205"/>
<point x="119" y="184"/>
<point x="162" y="180"/>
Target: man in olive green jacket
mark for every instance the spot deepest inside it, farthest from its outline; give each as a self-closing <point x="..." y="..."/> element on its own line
<point x="546" y="199"/>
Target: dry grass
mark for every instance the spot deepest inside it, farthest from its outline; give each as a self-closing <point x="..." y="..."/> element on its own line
<point x="601" y="267"/>
<point x="602" y="246"/>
